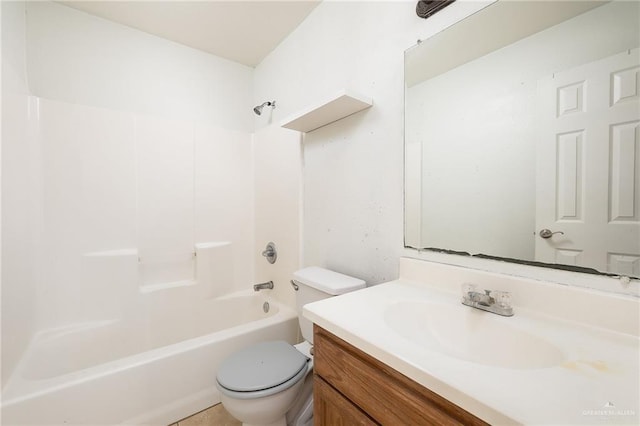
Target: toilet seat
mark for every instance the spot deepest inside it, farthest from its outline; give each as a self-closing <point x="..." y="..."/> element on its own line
<point x="261" y="370"/>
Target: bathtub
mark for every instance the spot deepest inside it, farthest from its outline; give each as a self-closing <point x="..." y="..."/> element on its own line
<point x="154" y="368"/>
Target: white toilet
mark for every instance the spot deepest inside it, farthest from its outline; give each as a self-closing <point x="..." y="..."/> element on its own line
<point x="270" y="383"/>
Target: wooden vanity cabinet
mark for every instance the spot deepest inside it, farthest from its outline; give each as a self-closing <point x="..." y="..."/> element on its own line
<point x="353" y="388"/>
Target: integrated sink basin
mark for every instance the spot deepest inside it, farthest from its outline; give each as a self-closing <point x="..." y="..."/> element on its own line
<point x="470" y="335"/>
<point x="568" y="354"/>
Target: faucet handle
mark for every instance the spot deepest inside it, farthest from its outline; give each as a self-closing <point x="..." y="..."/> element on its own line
<point x="502" y="298"/>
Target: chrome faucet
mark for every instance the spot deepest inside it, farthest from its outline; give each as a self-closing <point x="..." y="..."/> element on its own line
<point x="496" y="302"/>
<point x="263" y="286"/>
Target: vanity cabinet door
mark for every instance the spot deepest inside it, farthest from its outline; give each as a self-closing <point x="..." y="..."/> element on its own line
<point x="333" y="409"/>
<point x="385" y="395"/>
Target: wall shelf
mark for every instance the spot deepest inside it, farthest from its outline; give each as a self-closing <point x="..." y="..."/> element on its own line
<point x="331" y="109"/>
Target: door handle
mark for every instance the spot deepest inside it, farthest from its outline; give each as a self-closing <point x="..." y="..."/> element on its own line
<point x="547" y="233"/>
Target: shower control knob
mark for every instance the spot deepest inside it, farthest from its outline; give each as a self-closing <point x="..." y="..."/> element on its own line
<point x="270" y="253"/>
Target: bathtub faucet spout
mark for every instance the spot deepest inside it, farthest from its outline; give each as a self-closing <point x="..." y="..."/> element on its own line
<point x="262" y="286"/>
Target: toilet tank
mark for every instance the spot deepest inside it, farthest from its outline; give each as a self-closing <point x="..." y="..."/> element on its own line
<point x="315" y="283"/>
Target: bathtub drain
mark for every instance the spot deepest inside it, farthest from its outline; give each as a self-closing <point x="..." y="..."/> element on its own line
<point x="265" y="307"/>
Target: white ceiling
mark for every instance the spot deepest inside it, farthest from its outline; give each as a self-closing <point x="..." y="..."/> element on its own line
<point x="238" y="30"/>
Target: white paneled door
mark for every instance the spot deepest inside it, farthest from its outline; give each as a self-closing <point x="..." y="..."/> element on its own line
<point x="588" y="166"/>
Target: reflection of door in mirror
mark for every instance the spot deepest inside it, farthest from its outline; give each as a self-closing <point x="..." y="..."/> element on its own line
<point x="588" y="165"/>
<point x="472" y="128"/>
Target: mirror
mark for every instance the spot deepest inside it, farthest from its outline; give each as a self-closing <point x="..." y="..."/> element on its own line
<point x="522" y="136"/>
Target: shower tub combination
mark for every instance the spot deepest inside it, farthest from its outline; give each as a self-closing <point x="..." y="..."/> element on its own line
<point x="154" y="368"/>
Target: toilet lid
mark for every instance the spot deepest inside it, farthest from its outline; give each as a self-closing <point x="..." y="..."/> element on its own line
<point x="261" y="366"/>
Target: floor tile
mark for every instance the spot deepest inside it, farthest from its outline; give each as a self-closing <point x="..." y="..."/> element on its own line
<point x="213" y="416"/>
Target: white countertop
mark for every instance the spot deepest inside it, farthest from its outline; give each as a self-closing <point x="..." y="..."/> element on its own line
<point x="597" y="381"/>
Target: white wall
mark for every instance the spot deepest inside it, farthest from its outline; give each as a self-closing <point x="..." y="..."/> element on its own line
<point x="353" y="169"/>
<point x="20" y="208"/>
<point x="82" y="59"/>
<point x="278" y="176"/>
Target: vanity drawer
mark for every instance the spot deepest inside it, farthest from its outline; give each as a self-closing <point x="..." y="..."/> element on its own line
<point x="387" y="396"/>
<point x="334" y="409"/>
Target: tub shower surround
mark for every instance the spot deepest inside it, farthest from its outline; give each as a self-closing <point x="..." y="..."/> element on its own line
<point x="136" y="203"/>
<point x="143" y="236"/>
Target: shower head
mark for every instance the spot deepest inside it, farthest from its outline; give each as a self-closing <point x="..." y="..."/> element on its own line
<point x="258" y="109"/>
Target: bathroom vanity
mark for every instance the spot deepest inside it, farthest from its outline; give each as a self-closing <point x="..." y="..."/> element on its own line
<point x="352" y="387"/>
<point x="409" y="352"/>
